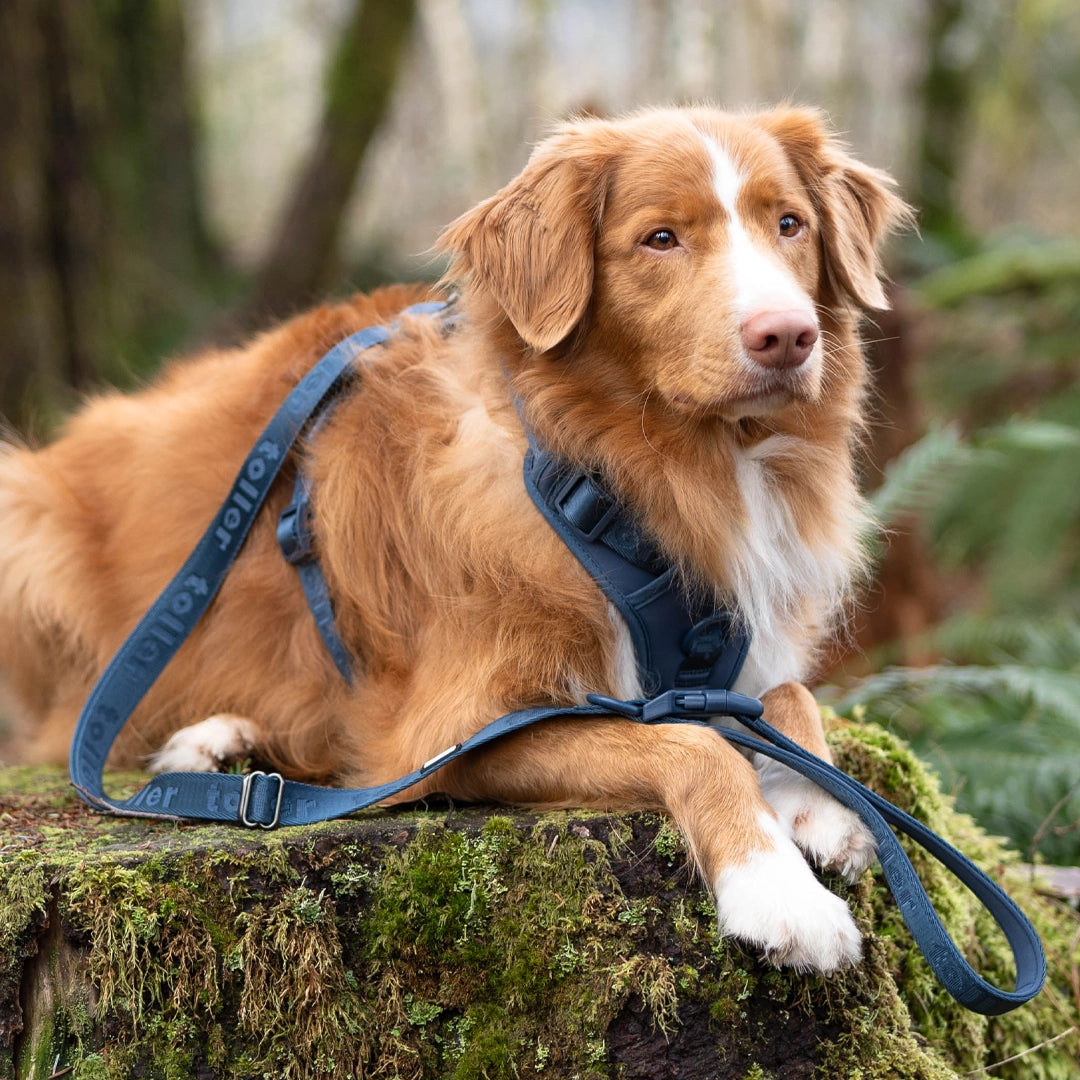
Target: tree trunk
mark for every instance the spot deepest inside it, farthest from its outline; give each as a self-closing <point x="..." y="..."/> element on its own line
<point x="905" y="600"/>
<point x="303" y="255"/>
<point x="98" y="182"/>
<point x="946" y="101"/>
<point x="31" y="300"/>
<point x="469" y="943"/>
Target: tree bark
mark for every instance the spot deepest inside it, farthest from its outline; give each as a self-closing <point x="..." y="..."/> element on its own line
<point x="30" y="299"/>
<point x="946" y="105"/>
<point x="98" y="180"/>
<point x="303" y="255"/>
<point x="905" y="599"/>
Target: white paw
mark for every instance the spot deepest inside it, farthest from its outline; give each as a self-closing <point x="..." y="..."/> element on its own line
<point x="830" y="835"/>
<point x="773" y="902"/>
<point x="204" y="746"/>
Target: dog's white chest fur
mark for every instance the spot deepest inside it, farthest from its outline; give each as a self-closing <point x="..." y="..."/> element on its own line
<point x="779" y="581"/>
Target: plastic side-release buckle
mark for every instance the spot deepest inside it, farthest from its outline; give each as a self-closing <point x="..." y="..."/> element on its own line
<point x="245" y="800"/>
<point x="683" y="705"/>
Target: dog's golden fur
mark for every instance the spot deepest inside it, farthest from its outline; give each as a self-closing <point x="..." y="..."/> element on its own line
<point x="459" y="603"/>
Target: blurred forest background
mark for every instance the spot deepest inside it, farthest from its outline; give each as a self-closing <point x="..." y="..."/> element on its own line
<point x="174" y="172"/>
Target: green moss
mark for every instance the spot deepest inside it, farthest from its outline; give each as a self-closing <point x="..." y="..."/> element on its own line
<point x="491" y="945"/>
<point x="23" y="898"/>
<point x="23" y="903"/>
<point x="467" y="922"/>
<point x="886" y="764"/>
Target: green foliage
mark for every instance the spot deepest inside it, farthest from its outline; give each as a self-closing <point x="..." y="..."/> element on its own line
<point x="1005" y="268"/>
<point x="994" y="487"/>
<point x="1004" y="737"/>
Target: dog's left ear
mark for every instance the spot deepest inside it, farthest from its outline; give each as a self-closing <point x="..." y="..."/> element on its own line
<point x="857" y="203"/>
<point x="531" y="244"/>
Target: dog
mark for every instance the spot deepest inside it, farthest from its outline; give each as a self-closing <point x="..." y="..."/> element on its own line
<point x="671" y="300"/>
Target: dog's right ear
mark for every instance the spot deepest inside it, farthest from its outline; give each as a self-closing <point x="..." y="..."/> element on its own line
<point x="531" y="245"/>
<point x="857" y="203"/>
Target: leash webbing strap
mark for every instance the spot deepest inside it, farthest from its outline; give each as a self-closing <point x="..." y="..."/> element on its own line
<point x="171" y="619"/>
<point x="266" y="801"/>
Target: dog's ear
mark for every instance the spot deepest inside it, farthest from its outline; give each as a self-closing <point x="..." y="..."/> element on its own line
<point x="531" y="244"/>
<point x="856" y="203"/>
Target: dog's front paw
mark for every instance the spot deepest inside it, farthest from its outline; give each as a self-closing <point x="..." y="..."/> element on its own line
<point x="206" y="746"/>
<point x="830" y="835"/>
<point x="773" y="902"/>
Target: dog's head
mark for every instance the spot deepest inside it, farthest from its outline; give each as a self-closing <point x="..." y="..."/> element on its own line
<point x="717" y="258"/>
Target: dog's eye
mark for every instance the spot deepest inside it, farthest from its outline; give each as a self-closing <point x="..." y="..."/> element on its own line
<point x="661" y="240"/>
<point x="790" y="225"/>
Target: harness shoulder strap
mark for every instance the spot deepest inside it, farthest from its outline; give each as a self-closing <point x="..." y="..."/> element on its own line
<point x="297" y="546"/>
<point x="679" y="640"/>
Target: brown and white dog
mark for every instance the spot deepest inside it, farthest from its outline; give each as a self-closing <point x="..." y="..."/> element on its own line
<point x="673" y="300"/>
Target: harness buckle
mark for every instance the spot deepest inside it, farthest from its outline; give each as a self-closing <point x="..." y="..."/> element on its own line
<point x="245" y="799"/>
<point x="294" y="531"/>
<point x="705" y="640"/>
<point x="683" y="705"/>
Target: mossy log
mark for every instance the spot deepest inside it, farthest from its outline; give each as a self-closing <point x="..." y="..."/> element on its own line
<point x="451" y="942"/>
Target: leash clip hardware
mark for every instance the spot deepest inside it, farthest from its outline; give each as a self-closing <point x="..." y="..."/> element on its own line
<point x="699" y="704"/>
<point x="245" y="799"/>
<point x="716" y="703"/>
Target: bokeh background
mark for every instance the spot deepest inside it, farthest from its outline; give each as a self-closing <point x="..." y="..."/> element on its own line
<point x="176" y="172"/>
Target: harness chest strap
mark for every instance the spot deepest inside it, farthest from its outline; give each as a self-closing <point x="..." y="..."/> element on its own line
<point x="679" y="641"/>
<point x="270" y="800"/>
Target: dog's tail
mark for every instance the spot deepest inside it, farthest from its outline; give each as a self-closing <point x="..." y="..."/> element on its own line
<point x="41" y="564"/>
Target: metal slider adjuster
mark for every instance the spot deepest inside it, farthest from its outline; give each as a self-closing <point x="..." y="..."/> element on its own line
<point x="245" y="798"/>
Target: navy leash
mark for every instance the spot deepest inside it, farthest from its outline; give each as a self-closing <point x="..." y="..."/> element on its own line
<point x="268" y="800"/>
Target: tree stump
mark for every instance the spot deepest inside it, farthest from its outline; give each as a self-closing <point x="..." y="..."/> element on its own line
<point x="472" y="942"/>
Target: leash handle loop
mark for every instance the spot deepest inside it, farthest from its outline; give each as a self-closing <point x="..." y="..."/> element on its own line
<point x="923" y="921"/>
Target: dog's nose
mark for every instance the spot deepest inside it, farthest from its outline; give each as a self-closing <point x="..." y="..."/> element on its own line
<point x="779" y="339"/>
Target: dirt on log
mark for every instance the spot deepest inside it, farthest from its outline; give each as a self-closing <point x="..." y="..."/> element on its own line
<point x="470" y="942"/>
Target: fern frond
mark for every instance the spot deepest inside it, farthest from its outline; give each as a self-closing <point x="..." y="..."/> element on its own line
<point x="1005" y="740"/>
<point x="920" y="473"/>
<point x="1052" y="642"/>
<point x="1022" y="433"/>
<point x="1055" y="691"/>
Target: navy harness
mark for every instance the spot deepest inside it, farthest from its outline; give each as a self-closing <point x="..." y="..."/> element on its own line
<point x="689" y="656"/>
